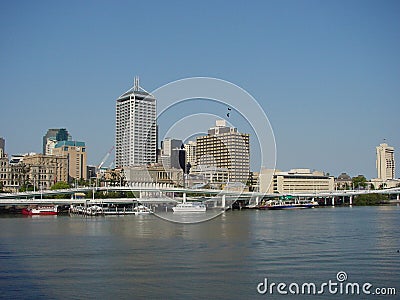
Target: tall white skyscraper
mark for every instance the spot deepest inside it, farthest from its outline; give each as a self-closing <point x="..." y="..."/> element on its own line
<point x="136" y="131"/>
<point x="385" y="164"/>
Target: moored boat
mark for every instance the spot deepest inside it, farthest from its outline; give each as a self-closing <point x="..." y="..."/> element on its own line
<point x="190" y="207"/>
<point x="40" y="210"/>
<point x="288" y="204"/>
<point x="141" y="210"/>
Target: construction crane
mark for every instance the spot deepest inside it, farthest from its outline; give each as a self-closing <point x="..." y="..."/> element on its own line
<point x="105" y="158"/>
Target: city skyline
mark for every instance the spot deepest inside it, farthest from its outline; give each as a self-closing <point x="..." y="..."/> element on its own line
<point x="326" y="74"/>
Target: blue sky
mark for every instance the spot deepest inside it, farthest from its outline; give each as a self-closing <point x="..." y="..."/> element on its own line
<point x="326" y="73"/>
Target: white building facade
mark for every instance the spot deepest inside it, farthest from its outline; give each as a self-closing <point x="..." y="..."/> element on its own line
<point x="295" y="181"/>
<point x="136" y="130"/>
<point x="385" y="164"/>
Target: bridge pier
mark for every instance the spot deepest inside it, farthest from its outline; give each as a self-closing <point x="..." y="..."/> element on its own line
<point x="223" y="201"/>
<point x="398" y="197"/>
<point x="184" y="197"/>
<point x="333" y="201"/>
<point x="351" y="200"/>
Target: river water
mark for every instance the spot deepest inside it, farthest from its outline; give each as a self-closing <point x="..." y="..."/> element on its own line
<point x="130" y="257"/>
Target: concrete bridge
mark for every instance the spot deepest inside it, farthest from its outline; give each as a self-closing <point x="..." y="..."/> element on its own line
<point x="149" y="194"/>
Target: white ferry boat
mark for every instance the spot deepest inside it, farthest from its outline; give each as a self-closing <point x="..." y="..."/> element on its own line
<point x="142" y="210"/>
<point x="190" y="207"/>
<point x="288" y="204"/>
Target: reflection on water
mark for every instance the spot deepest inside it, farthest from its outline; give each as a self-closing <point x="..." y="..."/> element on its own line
<point x="146" y="256"/>
<point x="190" y="217"/>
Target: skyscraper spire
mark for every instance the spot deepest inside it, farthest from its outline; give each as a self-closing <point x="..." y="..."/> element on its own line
<point x="136" y="83"/>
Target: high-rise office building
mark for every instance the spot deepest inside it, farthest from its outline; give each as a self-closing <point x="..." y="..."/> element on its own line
<point x="225" y="147"/>
<point x="170" y="153"/>
<point x="76" y="155"/>
<point x="135" y="134"/>
<point x="385" y="164"/>
<point x="190" y="149"/>
<point x="53" y="136"/>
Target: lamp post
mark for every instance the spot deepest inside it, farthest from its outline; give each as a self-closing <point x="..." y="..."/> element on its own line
<point x="34" y="180"/>
<point x="90" y="177"/>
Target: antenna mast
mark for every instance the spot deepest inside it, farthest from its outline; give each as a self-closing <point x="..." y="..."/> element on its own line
<point x="136" y="83"/>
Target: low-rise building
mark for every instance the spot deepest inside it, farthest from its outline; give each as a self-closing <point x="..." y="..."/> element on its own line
<point x="295" y="181"/>
<point x="212" y="175"/>
<point x="385" y="184"/>
<point x="45" y="170"/>
<point x="154" y="175"/>
<point x="35" y="171"/>
<point x="9" y="180"/>
<point x="343" y="182"/>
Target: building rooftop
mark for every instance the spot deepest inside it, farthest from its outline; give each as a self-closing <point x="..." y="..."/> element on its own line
<point x="69" y="143"/>
<point x="132" y="91"/>
<point x="137" y="90"/>
<point x="344" y="177"/>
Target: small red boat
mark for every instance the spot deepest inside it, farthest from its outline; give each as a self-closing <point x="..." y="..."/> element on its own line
<point x="42" y="210"/>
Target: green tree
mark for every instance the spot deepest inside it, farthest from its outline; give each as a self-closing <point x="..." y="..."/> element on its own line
<point x="371" y="199"/>
<point x="20" y="176"/>
<point x="61" y="185"/>
<point x="24" y="170"/>
<point x="359" y="182"/>
<point x="28" y="187"/>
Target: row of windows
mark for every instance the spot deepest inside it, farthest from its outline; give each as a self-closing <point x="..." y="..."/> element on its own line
<point x="16" y="183"/>
<point x="223" y="149"/>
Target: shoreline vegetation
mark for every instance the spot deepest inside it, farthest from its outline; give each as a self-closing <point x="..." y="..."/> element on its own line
<point x="371" y="200"/>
